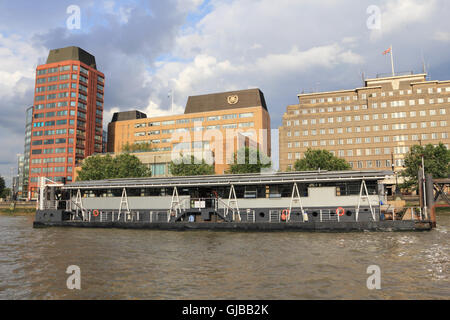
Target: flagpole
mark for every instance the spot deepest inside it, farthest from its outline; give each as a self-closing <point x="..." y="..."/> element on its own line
<point x="172" y="101"/>
<point x="171" y="98"/>
<point x="392" y="62"/>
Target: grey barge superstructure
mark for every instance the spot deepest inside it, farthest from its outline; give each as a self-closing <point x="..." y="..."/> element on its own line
<point x="296" y="201"/>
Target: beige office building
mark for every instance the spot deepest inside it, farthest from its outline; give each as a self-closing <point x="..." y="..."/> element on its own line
<point x="214" y="124"/>
<point x="372" y="127"/>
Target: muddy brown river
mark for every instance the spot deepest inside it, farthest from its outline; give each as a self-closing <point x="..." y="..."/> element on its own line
<point x="145" y="264"/>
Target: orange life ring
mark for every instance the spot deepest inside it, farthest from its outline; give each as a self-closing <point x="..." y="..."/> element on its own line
<point x="284" y="214"/>
<point x="95" y="213"/>
<point x="340" y="211"/>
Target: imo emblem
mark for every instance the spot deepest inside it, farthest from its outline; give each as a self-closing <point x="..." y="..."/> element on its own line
<point x="233" y="99"/>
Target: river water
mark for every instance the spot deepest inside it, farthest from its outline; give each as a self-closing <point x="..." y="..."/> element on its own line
<point x="145" y="264"/>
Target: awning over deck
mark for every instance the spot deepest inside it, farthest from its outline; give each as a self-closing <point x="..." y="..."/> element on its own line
<point x="239" y="179"/>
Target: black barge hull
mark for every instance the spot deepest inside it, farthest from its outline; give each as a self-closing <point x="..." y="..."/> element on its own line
<point x="375" y="226"/>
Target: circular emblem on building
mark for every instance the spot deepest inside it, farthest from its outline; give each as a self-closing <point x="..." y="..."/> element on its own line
<point x="233" y="99"/>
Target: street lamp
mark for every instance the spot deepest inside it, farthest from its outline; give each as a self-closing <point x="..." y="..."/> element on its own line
<point x="425" y="209"/>
<point x="394" y="193"/>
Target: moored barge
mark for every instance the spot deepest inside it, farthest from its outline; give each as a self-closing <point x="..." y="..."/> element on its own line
<point x="297" y="201"/>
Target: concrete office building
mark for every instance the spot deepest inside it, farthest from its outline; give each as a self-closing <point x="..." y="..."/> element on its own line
<point x="211" y="121"/>
<point x="67" y="114"/>
<point x="372" y="127"/>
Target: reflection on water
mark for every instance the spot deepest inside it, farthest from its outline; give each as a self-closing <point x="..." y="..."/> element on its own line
<point x="145" y="264"/>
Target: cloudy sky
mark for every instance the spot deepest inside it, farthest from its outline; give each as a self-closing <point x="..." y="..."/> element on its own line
<point x="283" y="47"/>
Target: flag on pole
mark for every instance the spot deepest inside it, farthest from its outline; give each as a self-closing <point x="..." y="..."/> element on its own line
<point x="392" y="58"/>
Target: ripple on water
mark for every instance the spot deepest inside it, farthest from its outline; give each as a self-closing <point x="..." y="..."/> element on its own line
<point x="143" y="264"/>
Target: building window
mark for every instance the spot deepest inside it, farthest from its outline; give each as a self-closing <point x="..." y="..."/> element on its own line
<point x="224" y="117"/>
<point x="246" y="115"/>
<point x="246" y="124"/>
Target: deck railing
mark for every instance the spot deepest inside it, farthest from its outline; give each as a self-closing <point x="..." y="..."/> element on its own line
<point x="246" y="215"/>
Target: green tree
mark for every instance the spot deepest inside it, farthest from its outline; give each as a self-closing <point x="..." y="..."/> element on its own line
<point x="321" y="159"/>
<point x="96" y="168"/>
<point x="129" y="166"/>
<point x="436" y="160"/>
<point x="137" y="147"/>
<point x="5" y="193"/>
<point x="249" y="160"/>
<point x="106" y="167"/>
<point x="2" y="186"/>
<point x="190" y="166"/>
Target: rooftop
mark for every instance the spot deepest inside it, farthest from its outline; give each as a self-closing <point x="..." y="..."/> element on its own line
<point x="128" y="115"/>
<point x="226" y="100"/>
<point x="371" y="83"/>
<point x="71" y="53"/>
<point x="207" y="103"/>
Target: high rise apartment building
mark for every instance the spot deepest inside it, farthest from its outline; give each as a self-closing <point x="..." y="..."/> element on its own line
<point x="212" y="122"/>
<point x="372" y="127"/>
<point x="67" y="114"/>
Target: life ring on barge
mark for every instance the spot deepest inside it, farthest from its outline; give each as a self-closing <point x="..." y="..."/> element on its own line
<point x="284" y="214"/>
<point x="340" y="211"/>
<point x="95" y="213"/>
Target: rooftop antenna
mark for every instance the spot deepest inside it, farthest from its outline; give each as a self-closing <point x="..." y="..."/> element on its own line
<point x="170" y="95"/>
<point x="424" y="67"/>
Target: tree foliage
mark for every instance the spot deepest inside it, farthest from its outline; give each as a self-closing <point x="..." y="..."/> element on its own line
<point x="321" y="159"/>
<point x="190" y="166"/>
<point x="5" y="193"/>
<point x="2" y="186"/>
<point x="249" y="160"/>
<point x="436" y="160"/>
<point x="137" y="147"/>
<point x="106" y="167"/>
